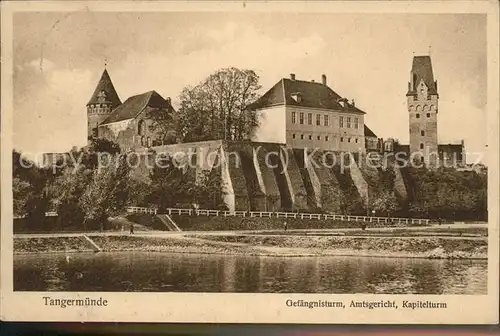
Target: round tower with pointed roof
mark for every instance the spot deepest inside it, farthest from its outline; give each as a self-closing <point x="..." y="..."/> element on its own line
<point x="101" y="104"/>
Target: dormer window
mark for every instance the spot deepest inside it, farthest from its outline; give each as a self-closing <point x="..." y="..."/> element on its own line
<point x="101" y="97"/>
<point x="297" y="97"/>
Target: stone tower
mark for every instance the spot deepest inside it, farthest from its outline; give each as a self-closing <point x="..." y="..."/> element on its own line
<point x="422" y="98"/>
<point x="103" y="101"/>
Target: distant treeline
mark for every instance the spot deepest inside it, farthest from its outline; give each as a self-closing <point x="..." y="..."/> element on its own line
<point x="447" y="194"/>
<point x="85" y="197"/>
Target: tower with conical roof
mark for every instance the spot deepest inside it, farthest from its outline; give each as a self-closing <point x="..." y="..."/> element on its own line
<point x="422" y="98"/>
<point x="103" y="101"/>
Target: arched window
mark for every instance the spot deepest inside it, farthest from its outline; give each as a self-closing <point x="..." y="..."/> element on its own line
<point x="149" y="142"/>
<point x="143" y="141"/>
<point x="422" y="133"/>
<point x="141" y="127"/>
<point x="421" y="146"/>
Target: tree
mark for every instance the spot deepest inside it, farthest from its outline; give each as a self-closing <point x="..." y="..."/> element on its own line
<point x="209" y="190"/>
<point x="170" y="185"/>
<point x="448" y="193"/>
<point x="67" y="191"/>
<point x="216" y="108"/>
<point x="386" y="203"/>
<point x="100" y="145"/>
<point x="21" y="191"/>
<point x="107" y="193"/>
<point x="30" y="189"/>
<point x="163" y="124"/>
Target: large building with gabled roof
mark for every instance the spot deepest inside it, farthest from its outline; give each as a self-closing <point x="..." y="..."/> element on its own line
<point x="130" y="124"/>
<point x="309" y="114"/>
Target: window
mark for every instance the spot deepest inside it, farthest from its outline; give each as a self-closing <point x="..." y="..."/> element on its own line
<point x="421" y="146"/>
<point x="428" y="115"/>
<point x="341" y="139"/>
<point x="293" y="136"/>
<point x="297" y="97"/>
<point x="319" y="137"/>
<point x="326" y="138"/>
<point x="149" y="142"/>
<point x="422" y="133"/>
<point x="356" y="123"/>
<point x="318" y="119"/>
<point x="348" y="122"/>
<point x="417" y="115"/>
<point x="356" y="140"/>
<point x="309" y="119"/>
<point x="348" y="139"/>
<point x="341" y="121"/>
<point x="301" y="118"/>
<point x="141" y="128"/>
<point x="294" y="118"/>
<point x="310" y="137"/>
<point x="302" y="136"/>
<point x="327" y="120"/>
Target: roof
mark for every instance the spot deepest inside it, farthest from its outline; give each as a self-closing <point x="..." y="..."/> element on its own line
<point x="450" y="147"/>
<point x="369" y="132"/>
<point x="105" y="85"/>
<point x="422" y="70"/>
<point x="314" y="95"/>
<point x="402" y="148"/>
<point x="135" y="105"/>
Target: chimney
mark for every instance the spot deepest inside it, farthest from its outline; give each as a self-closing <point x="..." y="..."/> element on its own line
<point x="353" y="103"/>
<point x="168" y="100"/>
<point x="292" y="76"/>
<point x="312" y="80"/>
<point x="323" y="79"/>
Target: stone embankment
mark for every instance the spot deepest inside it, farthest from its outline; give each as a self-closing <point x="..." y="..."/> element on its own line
<point x="291" y="244"/>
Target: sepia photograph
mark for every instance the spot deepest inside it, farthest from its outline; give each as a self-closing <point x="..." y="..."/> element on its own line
<point x="219" y="151"/>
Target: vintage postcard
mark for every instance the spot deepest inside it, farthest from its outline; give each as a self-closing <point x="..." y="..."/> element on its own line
<point x="254" y="162"/>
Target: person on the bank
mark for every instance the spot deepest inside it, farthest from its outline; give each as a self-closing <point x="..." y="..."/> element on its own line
<point x="285" y="225"/>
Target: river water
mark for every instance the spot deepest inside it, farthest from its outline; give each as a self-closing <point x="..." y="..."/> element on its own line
<point x="168" y="272"/>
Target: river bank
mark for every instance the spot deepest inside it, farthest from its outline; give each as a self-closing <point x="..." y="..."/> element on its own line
<point x="264" y="245"/>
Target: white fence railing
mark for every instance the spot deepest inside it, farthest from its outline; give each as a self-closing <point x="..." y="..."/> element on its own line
<point x="47" y="214"/>
<point x="149" y="211"/>
<point x="265" y="214"/>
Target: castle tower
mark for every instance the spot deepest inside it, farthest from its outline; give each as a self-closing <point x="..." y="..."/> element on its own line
<point x="422" y="98"/>
<point x="103" y="101"/>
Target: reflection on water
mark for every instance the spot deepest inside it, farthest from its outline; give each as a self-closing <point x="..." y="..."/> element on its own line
<point x="165" y="272"/>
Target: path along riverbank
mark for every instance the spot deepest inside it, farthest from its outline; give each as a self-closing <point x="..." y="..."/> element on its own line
<point x="398" y="244"/>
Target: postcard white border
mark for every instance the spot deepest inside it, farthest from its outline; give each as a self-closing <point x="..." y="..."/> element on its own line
<point x="249" y="308"/>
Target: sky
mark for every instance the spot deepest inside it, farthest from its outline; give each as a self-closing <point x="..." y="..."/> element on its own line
<point x="59" y="58"/>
